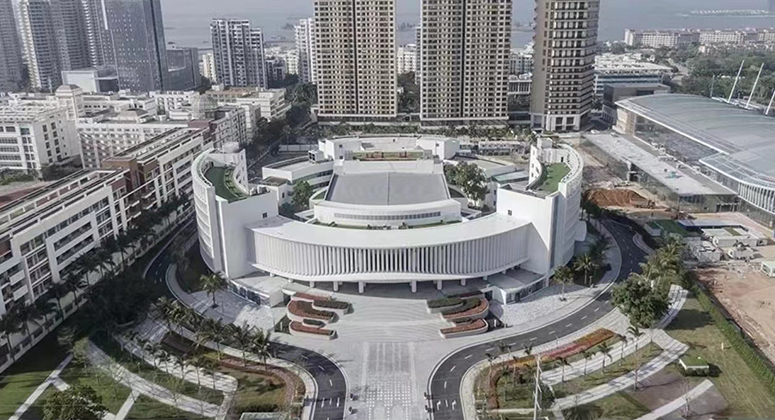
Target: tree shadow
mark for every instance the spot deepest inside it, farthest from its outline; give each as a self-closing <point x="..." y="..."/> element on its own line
<point x="690" y="319"/>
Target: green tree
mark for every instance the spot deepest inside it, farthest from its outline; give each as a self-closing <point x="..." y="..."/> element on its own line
<point x="212" y="284"/>
<point x="76" y="403"/>
<point x="470" y="178"/>
<point x="584" y="264"/>
<point x="563" y="275"/>
<point x="643" y="304"/>
<point x="301" y="194"/>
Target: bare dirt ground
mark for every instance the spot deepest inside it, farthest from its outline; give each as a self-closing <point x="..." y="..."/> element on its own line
<point x="749" y="296"/>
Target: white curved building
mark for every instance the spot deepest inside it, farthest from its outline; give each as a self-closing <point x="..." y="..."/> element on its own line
<point x="385" y="214"/>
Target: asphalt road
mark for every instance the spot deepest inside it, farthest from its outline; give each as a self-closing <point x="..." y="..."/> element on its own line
<point x="445" y="382"/>
<point x="331" y="399"/>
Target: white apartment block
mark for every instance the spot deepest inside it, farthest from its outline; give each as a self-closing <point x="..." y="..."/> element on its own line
<point x="34" y="135"/>
<point x="464" y="61"/>
<point x="207" y="67"/>
<point x="107" y="134"/>
<point x="521" y="61"/>
<point x="407" y="59"/>
<point x="355" y="42"/>
<point x="564" y="74"/>
<point x="677" y="38"/>
<point x="170" y="100"/>
<point x="11" y="65"/>
<point x="238" y="51"/>
<point x="291" y="58"/>
<point x="305" y="51"/>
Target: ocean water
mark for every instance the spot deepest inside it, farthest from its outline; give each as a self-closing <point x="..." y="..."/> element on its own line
<point x="187" y="21"/>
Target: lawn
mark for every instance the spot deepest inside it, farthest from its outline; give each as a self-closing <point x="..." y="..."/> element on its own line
<point x="113" y="393"/>
<point x="35" y="411"/>
<point x="189" y="278"/>
<point x="619" y="406"/>
<point x="671" y="226"/>
<point x="742" y="389"/>
<point x="160" y="377"/>
<point x="146" y="409"/>
<point x="553" y="174"/>
<point x="221" y="178"/>
<point x="21" y="379"/>
<point x="612" y="371"/>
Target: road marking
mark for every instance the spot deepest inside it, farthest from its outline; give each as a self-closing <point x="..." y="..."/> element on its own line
<point x="321" y="368"/>
<point x="490" y="349"/>
<point x="337" y="402"/>
<point x="569" y="325"/>
<point x="584" y="317"/>
<point x="330" y="383"/>
<point x="551" y="332"/>
<point x="533" y="338"/>
<point x="453" y="368"/>
<point x="597" y="309"/>
<point x="468" y="357"/>
<point x="446" y="403"/>
<point x="445" y="384"/>
<point x="513" y="344"/>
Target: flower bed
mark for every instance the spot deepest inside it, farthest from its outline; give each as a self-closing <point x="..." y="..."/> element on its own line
<point x="476" y="326"/>
<point x="332" y="304"/>
<point x="314" y="323"/>
<point x="444" y="302"/>
<point x="474" y="308"/>
<point x="301" y="329"/>
<point x="468" y="304"/>
<point x="304" y="309"/>
<point x="309" y="297"/>
<point x="579" y="345"/>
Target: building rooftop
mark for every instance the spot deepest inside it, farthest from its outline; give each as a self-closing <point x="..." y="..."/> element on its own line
<point x="387" y="188"/>
<point x="220" y="177"/>
<point x="683" y="182"/>
<point x="744" y="140"/>
<point x="482" y="227"/>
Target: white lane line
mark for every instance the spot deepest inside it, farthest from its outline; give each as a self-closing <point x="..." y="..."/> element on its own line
<point x="453" y="368"/>
<point x="551" y="332"/>
<point x="597" y="309"/>
<point x="584" y="317"/>
<point x="533" y="338"/>
<point x="337" y="402"/>
<point x="331" y="383"/>
<point x="569" y="325"/>
<point x="490" y="349"/>
<point x="445" y="384"/>
<point x="468" y="357"/>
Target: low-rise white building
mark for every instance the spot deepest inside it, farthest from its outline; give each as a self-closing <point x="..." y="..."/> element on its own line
<point x="407" y="59"/>
<point x="35" y="134"/>
<point x="387" y="216"/>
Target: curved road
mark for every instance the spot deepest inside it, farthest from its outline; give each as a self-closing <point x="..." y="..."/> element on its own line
<point x="331" y="384"/>
<point x="445" y="381"/>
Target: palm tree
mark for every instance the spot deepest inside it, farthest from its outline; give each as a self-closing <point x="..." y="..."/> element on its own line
<point x="564" y="362"/>
<point x="59" y="291"/>
<point x="504" y="348"/>
<point x="212" y="284"/>
<point x="212" y="330"/>
<point x="605" y="349"/>
<point x="584" y="263"/>
<point x="636" y="333"/>
<point x="624" y="344"/>
<point x="242" y="336"/>
<point x="586" y="355"/>
<point x="165" y="358"/>
<point x="40" y="311"/>
<point x="125" y="242"/>
<point x="163" y="307"/>
<point x="259" y="345"/>
<point x="74" y="283"/>
<point x="199" y="363"/>
<point x="563" y="275"/>
<point x="582" y="412"/>
<point x="490" y="359"/>
<point x="10" y="324"/>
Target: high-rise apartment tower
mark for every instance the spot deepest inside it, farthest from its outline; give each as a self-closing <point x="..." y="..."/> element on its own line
<point x="10" y="49"/>
<point x="305" y="50"/>
<point x="355" y="45"/>
<point x="564" y="69"/>
<point x="238" y="51"/>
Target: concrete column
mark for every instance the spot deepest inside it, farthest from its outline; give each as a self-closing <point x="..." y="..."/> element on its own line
<point x="361" y="286"/>
<point x="485" y="278"/>
<point x="462" y="282"/>
<point x="312" y="284"/>
<point x="414" y="286"/>
<point x="336" y="286"/>
<point x="439" y="284"/>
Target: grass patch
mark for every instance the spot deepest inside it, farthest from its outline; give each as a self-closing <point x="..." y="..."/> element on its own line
<point x="146" y="408"/>
<point x="35" y="411"/>
<point x="736" y="381"/>
<point x="21" y="379"/>
<point x="160" y="377"/>
<point x="612" y="371"/>
<point x="516" y="393"/>
<point x="113" y="394"/>
<point x="553" y="174"/>
<point x="671" y="226"/>
<point x="190" y="278"/>
<point x="619" y="406"/>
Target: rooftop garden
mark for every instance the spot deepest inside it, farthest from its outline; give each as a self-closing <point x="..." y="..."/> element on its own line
<point x="671" y="226"/>
<point x="223" y="181"/>
<point x="399" y="155"/>
<point x="553" y="174"/>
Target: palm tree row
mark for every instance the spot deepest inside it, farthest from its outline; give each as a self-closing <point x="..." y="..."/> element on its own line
<point x="75" y="278"/>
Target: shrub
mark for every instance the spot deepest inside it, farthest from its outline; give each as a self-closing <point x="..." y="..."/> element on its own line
<point x="332" y="304"/>
<point x="444" y="302"/>
<point x="314" y="323"/>
<point x="304" y="309"/>
<point x="468" y="304"/>
<point x="465" y="326"/>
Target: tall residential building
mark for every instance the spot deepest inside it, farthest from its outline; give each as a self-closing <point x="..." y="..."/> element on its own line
<point x="406" y="57"/>
<point x="139" y="47"/>
<point x="564" y="54"/>
<point x="10" y="49"/>
<point x="305" y="50"/>
<point x="99" y="43"/>
<point x="355" y="44"/>
<point x="291" y="58"/>
<point x="464" y="61"/>
<point x="418" y="42"/>
<point x="183" y="68"/>
<point x="53" y="40"/>
<point x="239" y="54"/>
<point x="771" y="6"/>
<point x="207" y="67"/>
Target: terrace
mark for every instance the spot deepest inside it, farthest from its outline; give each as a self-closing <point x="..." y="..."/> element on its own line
<point x="552" y="176"/>
<point x="223" y="181"/>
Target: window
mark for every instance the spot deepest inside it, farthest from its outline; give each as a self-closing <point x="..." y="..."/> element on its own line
<point x="265" y="215"/>
<point x="509" y="212"/>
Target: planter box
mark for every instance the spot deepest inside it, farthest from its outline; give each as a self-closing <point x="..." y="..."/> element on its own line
<point x="444" y="308"/>
<point x="337" y="311"/>
<point x="450" y="333"/>
<point x="320" y="334"/>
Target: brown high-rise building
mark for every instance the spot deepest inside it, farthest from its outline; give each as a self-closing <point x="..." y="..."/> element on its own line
<point x="564" y="73"/>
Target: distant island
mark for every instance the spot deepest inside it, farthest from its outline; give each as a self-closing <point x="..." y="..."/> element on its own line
<point x="744" y="12"/>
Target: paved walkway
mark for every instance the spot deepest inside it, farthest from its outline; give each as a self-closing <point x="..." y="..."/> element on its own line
<point x="120" y="374"/>
<point x="52" y="377"/>
<point x="678" y="403"/>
